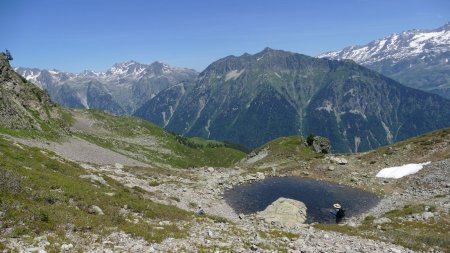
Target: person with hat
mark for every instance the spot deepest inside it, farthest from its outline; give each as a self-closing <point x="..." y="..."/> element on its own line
<point x="338" y="212"/>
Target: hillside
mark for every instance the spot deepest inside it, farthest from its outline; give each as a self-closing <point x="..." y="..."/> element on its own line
<point x="23" y="106"/>
<point x="416" y="58"/>
<point x="252" y="99"/>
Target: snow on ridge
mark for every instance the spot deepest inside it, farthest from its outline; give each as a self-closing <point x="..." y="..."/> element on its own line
<point x="397" y="46"/>
<point x="234" y="74"/>
<point x="401" y="171"/>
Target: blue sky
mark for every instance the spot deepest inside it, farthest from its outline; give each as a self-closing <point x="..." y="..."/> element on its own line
<point x="74" y="35"/>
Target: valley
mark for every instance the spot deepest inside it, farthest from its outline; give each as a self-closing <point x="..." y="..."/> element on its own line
<point x="225" y="126"/>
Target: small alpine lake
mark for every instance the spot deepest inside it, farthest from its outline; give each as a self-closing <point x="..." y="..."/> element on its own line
<point x="318" y="196"/>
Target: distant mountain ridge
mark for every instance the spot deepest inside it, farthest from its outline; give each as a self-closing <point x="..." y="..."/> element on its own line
<point x="121" y="89"/>
<point x="416" y="58"/>
<point x="252" y="99"/>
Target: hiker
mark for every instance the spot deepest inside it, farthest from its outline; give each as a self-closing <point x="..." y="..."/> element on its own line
<point x="200" y="210"/>
<point x="338" y="212"/>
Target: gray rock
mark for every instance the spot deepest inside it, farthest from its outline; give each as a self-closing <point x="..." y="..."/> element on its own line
<point x="95" y="178"/>
<point x="321" y="145"/>
<point x="95" y="210"/>
<point x="395" y="250"/>
<point x="339" y="160"/>
<point x="427" y="215"/>
<point x="260" y="176"/>
<point x="284" y="212"/>
<point x="66" y="247"/>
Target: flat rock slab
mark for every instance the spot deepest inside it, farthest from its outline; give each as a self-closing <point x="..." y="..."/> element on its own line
<point x="284" y="213"/>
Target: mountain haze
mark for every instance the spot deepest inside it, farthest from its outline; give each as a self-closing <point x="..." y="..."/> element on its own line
<point x="252" y="99"/>
<point x="121" y="89"/>
<point x="416" y="58"/>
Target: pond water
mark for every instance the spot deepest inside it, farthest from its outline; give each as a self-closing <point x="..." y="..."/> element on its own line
<point x="318" y="196"/>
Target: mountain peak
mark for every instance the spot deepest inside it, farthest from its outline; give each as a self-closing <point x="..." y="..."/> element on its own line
<point x="445" y="27"/>
<point x="397" y="46"/>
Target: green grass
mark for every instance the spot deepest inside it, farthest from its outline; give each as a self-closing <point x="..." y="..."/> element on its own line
<point x="416" y="235"/>
<point x="52" y="197"/>
<point x="407" y="210"/>
<point x="287" y="149"/>
<point x="190" y="152"/>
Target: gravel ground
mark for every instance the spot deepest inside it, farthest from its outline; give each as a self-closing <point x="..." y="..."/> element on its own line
<point x="76" y="149"/>
<point x="432" y="180"/>
<point x="204" y="186"/>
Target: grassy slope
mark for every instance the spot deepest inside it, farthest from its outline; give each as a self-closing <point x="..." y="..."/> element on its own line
<point x="283" y="153"/>
<point x="41" y="192"/>
<point x="123" y="135"/>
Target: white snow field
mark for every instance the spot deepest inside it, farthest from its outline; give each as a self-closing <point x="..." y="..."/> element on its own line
<point x="401" y="171"/>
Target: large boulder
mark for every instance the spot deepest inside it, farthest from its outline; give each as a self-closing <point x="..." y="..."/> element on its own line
<point x="321" y="144"/>
<point x="284" y="213"/>
<point x="339" y="160"/>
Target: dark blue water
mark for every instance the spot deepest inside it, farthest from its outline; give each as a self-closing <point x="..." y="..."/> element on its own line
<point x="318" y="197"/>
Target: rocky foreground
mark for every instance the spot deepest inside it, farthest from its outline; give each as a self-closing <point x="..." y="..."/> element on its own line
<point x="239" y="233"/>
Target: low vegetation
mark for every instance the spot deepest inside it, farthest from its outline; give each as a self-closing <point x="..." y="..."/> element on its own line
<point x="147" y="142"/>
<point x="414" y="234"/>
<point x="41" y="193"/>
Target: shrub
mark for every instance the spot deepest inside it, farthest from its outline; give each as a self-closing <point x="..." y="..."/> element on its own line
<point x="310" y="139"/>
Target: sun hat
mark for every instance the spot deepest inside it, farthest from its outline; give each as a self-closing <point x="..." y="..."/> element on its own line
<point x="337" y="206"/>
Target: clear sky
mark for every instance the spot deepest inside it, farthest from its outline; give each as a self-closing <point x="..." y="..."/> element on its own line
<point x="74" y="35"/>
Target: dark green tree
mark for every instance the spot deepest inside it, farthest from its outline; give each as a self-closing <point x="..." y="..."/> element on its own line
<point x="310" y="139"/>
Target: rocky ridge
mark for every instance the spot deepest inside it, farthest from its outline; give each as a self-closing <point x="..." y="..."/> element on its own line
<point x="121" y="89"/>
<point x="252" y="99"/>
<point x="416" y="58"/>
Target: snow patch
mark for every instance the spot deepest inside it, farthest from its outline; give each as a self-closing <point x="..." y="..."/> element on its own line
<point x="358" y="112"/>
<point x="53" y="72"/>
<point x="401" y="171"/>
<point x="234" y="74"/>
<point x="328" y="106"/>
<point x="357" y="143"/>
<point x="389" y="136"/>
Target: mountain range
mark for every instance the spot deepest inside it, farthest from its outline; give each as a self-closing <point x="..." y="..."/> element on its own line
<point x="416" y="58"/>
<point x="252" y="99"/>
<point x="121" y="89"/>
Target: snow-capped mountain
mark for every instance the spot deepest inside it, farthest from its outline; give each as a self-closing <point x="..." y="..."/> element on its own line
<point x="417" y="58"/>
<point x="121" y="89"/>
<point x="251" y="99"/>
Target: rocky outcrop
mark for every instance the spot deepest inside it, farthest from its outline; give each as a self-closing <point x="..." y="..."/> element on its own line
<point x="321" y="145"/>
<point x="284" y="213"/>
<point x="22" y="104"/>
